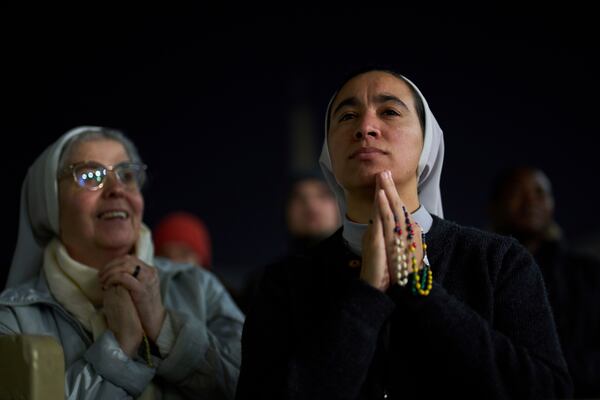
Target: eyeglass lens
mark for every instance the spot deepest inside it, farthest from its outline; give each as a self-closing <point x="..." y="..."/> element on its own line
<point x="91" y="175"/>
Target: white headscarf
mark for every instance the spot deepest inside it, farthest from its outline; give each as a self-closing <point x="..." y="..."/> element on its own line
<point x="38" y="216"/>
<point x="429" y="169"/>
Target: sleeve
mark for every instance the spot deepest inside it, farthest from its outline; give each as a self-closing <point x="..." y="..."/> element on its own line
<point x="515" y="355"/>
<point x="104" y="371"/>
<point x="107" y="372"/>
<point x="204" y="355"/>
<point x="325" y="357"/>
<point x="8" y="322"/>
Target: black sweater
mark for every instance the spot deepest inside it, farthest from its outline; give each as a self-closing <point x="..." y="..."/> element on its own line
<point x="315" y="331"/>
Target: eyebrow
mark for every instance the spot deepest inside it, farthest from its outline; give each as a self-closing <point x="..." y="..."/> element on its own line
<point x="350" y="101"/>
<point x="385" y="97"/>
<point x="379" y="99"/>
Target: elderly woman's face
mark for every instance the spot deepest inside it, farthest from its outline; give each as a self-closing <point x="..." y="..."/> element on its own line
<point x="374" y="127"/>
<point x="107" y="219"/>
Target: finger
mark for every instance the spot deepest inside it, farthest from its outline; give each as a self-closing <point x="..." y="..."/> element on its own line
<point x="386" y="216"/>
<point x="377" y="225"/>
<point x="389" y="235"/>
<point x="132" y="266"/>
<point x="399" y="254"/>
<point x="388" y="185"/>
<point x="373" y="236"/>
<point x="109" y="294"/>
<point x="114" y="295"/>
<point x="126" y="281"/>
<point x="374" y="225"/>
<point x="118" y="262"/>
<point x="411" y="231"/>
<point x="419" y="244"/>
<point x="376" y="206"/>
<point x="120" y="270"/>
<point x="374" y="269"/>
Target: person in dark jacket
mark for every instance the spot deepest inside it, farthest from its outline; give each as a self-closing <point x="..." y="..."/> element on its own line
<point x="311" y="212"/>
<point x="311" y="215"/>
<point x="522" y="205"/>
<point x="398" y="303"/>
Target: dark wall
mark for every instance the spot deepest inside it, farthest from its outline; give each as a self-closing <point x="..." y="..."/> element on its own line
<point x="207" y="98"/>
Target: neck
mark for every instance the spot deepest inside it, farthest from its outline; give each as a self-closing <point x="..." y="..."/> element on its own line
<point x="360" y="202"/>
<point x="532" y="245"/>
<point x="531" y="242"/>
<point x="99" y="258"/>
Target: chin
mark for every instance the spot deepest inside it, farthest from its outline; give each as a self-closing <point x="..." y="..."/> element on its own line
<point x="360" y="179"/>
<point x="119" y="241"/>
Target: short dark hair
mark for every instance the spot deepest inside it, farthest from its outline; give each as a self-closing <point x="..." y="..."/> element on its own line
<point x="419" y="106"/>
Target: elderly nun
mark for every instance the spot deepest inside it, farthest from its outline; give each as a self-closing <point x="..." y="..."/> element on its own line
<point x="84" y="272"/>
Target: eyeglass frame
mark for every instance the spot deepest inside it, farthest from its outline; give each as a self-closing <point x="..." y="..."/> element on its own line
<point x="70" y="170"/>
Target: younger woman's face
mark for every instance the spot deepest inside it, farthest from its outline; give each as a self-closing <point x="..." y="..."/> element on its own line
<point x="374" y="126"/>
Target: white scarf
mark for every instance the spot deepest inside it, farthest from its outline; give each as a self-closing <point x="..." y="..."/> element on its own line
<point x="75" y="285"/>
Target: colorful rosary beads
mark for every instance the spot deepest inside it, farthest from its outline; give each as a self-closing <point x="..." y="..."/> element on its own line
<point x="422" y="280"/>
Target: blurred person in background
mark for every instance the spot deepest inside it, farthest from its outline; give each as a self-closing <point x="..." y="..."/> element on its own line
<point x="311" y="212"/>
<point x="522" y="205"/>
<point x="184" y="238"/>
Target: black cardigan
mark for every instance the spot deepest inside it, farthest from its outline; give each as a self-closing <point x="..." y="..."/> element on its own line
<point x="315" y="331"/>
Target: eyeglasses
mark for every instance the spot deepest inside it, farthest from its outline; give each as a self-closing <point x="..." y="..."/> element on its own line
<point x="91" y="175"/>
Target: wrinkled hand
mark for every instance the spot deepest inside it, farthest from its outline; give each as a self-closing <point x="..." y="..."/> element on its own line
<point x="122" y="319"/>
<point x="379" y="265"/>
<point x="144" y="290"/>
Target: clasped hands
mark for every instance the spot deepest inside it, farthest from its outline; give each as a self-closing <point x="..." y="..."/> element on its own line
<point x="379" y="266"/>
<point x="132" y="304"/>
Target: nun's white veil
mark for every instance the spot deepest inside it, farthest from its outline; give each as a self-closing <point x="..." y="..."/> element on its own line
<point x="429" y="168"/>
<point x="38" y="215"/>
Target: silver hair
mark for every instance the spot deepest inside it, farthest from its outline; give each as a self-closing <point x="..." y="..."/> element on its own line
<point x="96" y="133"/>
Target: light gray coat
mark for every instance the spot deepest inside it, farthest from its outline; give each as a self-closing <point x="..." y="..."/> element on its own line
<point x="203" y="363"/>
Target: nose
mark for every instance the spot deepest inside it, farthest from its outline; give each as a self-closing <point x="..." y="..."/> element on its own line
<point x="368" y="126"/>
<point x="113" y="187"/>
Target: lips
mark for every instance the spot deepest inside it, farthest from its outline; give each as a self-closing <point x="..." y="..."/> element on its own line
<point x="113" y="214"/>
<point x="366" y="152"/>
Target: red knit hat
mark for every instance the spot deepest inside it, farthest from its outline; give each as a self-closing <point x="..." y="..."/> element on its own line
<point x="185" y="228"/>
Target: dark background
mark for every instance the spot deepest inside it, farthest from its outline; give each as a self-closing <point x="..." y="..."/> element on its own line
<point x="211" y="101"/>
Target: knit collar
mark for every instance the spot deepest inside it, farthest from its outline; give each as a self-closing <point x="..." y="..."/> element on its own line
<point x="353" y="232"/>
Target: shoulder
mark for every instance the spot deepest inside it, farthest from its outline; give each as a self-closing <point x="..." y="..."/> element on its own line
<point x="193" y="290"/>
<point x="451" y="230"/>
<point x="469" y="249"/>
<point x="300" y="268"/>
<point x="30" y="292"/>
<point x="469" y="238"/>
<point x="177" y="276"/>
<point x="23" y="307"/>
